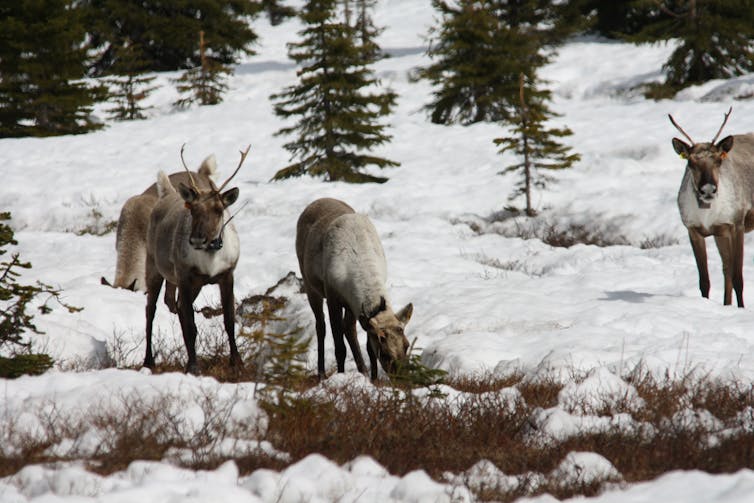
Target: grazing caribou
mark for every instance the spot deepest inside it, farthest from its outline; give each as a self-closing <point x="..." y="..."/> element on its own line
<point x="716" y="198"/>
<point x="131" y="233"/>
<point x="342" y="260"/>
<point x="191" y="243"/>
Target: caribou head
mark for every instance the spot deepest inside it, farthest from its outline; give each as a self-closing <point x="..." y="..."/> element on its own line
<point x="704" y="161"/>
<point x="385" y="334"/>
<point x="208" y="209"/>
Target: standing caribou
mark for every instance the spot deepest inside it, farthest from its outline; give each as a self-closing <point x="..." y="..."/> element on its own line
<point x="716" y="198"/>
<point x="131" y="233"/>
<point x="342" y="260"/>
<point x="191" y="243"/>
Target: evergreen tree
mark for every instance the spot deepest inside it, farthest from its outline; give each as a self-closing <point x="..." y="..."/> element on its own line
<point x="613" y="19"/>
<point x="204" y="84"/>
<point x="534" y="144"/>
<point x="357" y="14"/>
<point x="338" y="120"/>
<point x="15" y="298"/>
<point x="42" y="62"/>
<point x="470" y="66"/>
<point x="479" y="51"/>
<point x="131" y="87"/>
<point x="277" y="12"/>
<point x="715" y="39"/>
<point x="166" y="30"/>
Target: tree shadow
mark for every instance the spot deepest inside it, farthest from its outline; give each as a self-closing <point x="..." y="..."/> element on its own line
<point x="627" y="296"/>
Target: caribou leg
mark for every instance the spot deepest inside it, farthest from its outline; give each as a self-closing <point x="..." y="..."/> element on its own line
<point x="229" y="317"/>
<point x="315" y="301"/>
<point x="154" y="285"/>
<point x="336" y="326"/>
<point x="700" y="254"/>
<point x="738" y="265"/>
<point x="724" y="242"/>
<point x="353" y="342"/>
<point x="186" y="296"/>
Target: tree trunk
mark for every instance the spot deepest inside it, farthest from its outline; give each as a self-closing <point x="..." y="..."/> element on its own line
<point x="524" y="136"/>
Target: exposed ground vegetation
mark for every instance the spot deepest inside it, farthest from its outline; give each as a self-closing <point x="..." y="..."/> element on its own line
<point x="453" y="428"/>
<point x="560" y="235"/>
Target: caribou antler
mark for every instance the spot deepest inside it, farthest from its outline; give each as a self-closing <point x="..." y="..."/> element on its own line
<point x="191" y="177"/>
<point x="243" y="158"/>
<point x="721" y="127"/>
<point x="679" y="128"/>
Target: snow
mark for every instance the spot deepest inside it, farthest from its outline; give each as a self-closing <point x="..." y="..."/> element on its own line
<point x="482" y="302"/>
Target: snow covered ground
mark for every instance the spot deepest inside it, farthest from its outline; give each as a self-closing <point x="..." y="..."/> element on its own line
<point x="483" y="302"/>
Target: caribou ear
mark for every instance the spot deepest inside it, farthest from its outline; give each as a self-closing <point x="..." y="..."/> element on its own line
<point x="681" y="148"/>
<point x="405" y="314"/>
<point x="229" y="196"/>
<point x="725" y="144"/>
<point x="187" y="193"/>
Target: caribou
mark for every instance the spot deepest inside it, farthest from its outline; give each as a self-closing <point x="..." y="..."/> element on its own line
<point x="131" y="232"/>
<point x="342" y="260"/>
<point x="716" y="198"/>
<point x="191" y="242"/>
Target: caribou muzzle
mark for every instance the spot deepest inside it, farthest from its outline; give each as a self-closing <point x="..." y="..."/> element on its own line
<point x="202" y="243"/>
<point x="707" y="192"/>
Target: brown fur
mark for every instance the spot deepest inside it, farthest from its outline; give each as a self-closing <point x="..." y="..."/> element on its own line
<point x="316" y="230"/>
<point x="727" y="213"/>
<point x="131" y="234"/>
<point x="191" y="243"/>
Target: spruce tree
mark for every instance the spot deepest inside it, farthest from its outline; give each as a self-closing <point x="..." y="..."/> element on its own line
<point x="130" y="85"/>
<point x="714" y="39"/>
<point x="337" y="119"/>
<point x="479" y="51"/>
<point x="277" y="11"/>
<point x="166" y="30"/>
<point x="469" y="65"/>
<point x="358" y="15"/>
<point x="15" y="318"/>
<point x="204" y="84"/>
<point x="42" y="62"/>
<point x="534" y="144"/>
<point x="615" y="19"/>
<point x="15" y="302"/>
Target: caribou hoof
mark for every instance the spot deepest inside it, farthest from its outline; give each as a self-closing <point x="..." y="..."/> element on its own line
<point x="236" y="362"/>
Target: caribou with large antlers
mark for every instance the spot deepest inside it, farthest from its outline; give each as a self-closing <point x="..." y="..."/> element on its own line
<point x="131" y="233"/>
<point x="716" y="198"/>
<point x="191" y="243"/>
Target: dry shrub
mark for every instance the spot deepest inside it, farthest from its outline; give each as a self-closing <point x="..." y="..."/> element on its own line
<point x="133" y="427"/>
<point x="402" y="432"/>
<point x="405" y="432"/>
<point x="574" y="234"/>
<point x="562" y="235"/>
<point x="484" y="382"/>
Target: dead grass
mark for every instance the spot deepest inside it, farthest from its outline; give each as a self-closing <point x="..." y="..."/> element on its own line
<point x="687" y="423"/>
<point x="404" y="433"/>
<point x="560" y="235"/>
